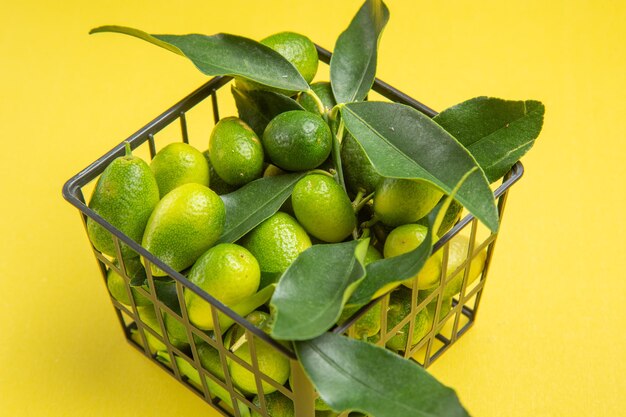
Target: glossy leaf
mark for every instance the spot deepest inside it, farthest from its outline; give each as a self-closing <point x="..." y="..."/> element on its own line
<point x="312" y="292"/>
<point x="401" y="142"/>
<point x="254" y="202"/>
<point x="258" y="107"/>
<point x="225" y="54"/>
<point x="353" y="64"/>
<point x="385" y="273"/>
<point x="353" y="375"/>
<point x="497" y="132"/>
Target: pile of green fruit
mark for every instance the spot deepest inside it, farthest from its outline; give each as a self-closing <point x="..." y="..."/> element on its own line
<point x="309" y="204"/>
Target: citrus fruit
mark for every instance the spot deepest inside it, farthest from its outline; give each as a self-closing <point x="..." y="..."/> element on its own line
<point x="272" y="171"/>
<point x="324" y="92"/>
<point x="210" y="359"/>
<point x="125" y="195"/>
<point x="406" y="238"/>
<point x="277" y="242"/>
<point x="235" y="151"/>
<point x="227" y="272"/>
<point x="297" y="140"/>
<point x="271" y="362"/>
<point x="117" y="285"/>
<point x="217" y="184"/>
<point x="183" y="225"/>
<point x="452" y="216"/>
<point x="399" y="308"/>
<point x="402" y="201"/>
<point x="358" y="171"/>
<point x="277" y="405"/>
<point x="323" y="208"/>
<point x="178" y="164"/>
<point x="446" y="304"/>
<point x="297" y="49"/>
<point x="457" y="254"/>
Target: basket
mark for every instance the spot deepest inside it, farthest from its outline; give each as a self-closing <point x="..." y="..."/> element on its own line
<point x="151" y="337"/>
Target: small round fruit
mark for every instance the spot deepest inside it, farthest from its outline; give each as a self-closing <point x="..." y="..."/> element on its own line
<point x="399" y="308"/>
<point x="297" y="49"/>
<point x="323" y="208"/>
<point x="297" y="140"/>
<point x="324" y="91"/>
<point x="235" y="152"/>
<point x="178" y="164"/>
<point x="277" y="242"/>
<point x="406" y="238"/>
<point x="457" y="254"/>
<point x="277" y="405"/>
<point x="117" y="285"/>
<point x="229" y="273"/>
<point x="217" y="184"/>
<point x="452" y="216"/>
<point x="185" y="223"/>
<point x="357" y="168"/>
<point x="402" y="201"/>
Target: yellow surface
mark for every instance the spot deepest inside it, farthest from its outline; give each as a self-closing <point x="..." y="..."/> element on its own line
<point x="550" y="338"/>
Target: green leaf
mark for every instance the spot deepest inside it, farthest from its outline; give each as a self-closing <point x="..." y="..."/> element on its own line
<point x="385" y="272"/>
<point x="311" y="293"/>
<point x="401" y="142"/>
<point x="225" y="54"/>
<point x="353" y="64"/>
<point x="354" y="375"/>
<point x="497" y="132"/>
<point x="254" y="202"/>
<point x="258" y="107"/>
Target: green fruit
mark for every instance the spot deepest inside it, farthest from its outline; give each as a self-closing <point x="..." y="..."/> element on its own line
<point x="457" y="254"/>
<point x="452" y="216"/>
<point x="323" y="208"/>
<point x="277" y="405"/>
<point x="358" y="171"/>
<point x="235" y="152"/>
<point x="406" y="238"/>
<point x="125" y="195"/>
<point x="271" y="362"/>
<point x="402" y="201"/>
<point x="273" y="171"/>
<point x="176" y="331"/>
<point x="227" y="272"/>
<point x="178" y="164"/>
<point x="117" y="285"/>
<point x="185" y="223"/>
<point x="297" y="49"/>
<point x="446" y="304"/>
<point x="297" y="140"/>
<point x="324" y="92"/>
<point x="277" y="242"/>
<point x="210" y="359"/>
<point x="399" y="308"/>
<point x="217" y="183"/>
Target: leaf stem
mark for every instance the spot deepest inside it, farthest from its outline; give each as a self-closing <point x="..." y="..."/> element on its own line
<point x="358" y="198"/>
<point x="320" y="172"/>
<point x="358" y="206"/>
<point x="337" y="137"/>
<point x="318" y="102"/>
<point x="371" y="222"/>
<point x="128" y="149"/>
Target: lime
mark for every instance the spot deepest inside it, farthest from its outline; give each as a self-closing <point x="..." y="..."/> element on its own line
<point x="271" y="362"/>
<point x="457" y="254"/>
<point x="323" y="208"/>
<point x="406" y="238"/>
<point x="178" y="164"/>
<point x="277" y="405"/>
<point x="297" y="140"/>
<point x="185" y="223"/>
<point x="210" y="359"/>
<point x="358" y="171"/>
<point x="399" y="308"/>
<point x="297" y="49"/>
<point x="176" y="331"/>
<point x="217" y="183"/>
<point x="272" y="171"/>
<point x="235" y="152"/>
<point x="125" y="195"/>
<point x="117" y="285"/>
<point x="452" y="216"/>
<point x="446" y="303"/>
<point x="229" y="273"/>
<point x="324" y="92"/>
<point x="402" y="201"/>
<point x="277" y="242"/>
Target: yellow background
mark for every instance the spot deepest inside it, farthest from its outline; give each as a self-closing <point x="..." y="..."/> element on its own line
<point x="550" y="338"/>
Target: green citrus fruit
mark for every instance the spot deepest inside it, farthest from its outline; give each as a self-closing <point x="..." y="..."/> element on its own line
<point x="402" y="201"/>
<point x="277" y="405"/>
<point x="235" y="152"/>
<point x="210" y="359"/>
<point x="117" y="285"/>
<point x="272" y="171"/>
<point x="323" y="208"/>
<point x="357" y="168"/>
<point x="324" y="92"/>
<point x="125" y="195"/>
<point x="452" y="216"/>
<point x="217" y="183"/>
<point x="446" y="304"/>
<point x="457" y="254"/>
<point x="271" y="362"/>
<point x="277" y="242"/>
<point x="297" y="49"/>
<point x="229" y="273"/>
<point x="185" y="223"/>
<point x="149" y="318"/>
<point x="399" y="308"/>
<point x="297" y="140"/>
<point x="406" y="238"/>
<point x="178" y="164"/>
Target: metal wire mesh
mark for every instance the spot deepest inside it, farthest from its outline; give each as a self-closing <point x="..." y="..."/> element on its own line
<point x="151" y="326"/>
